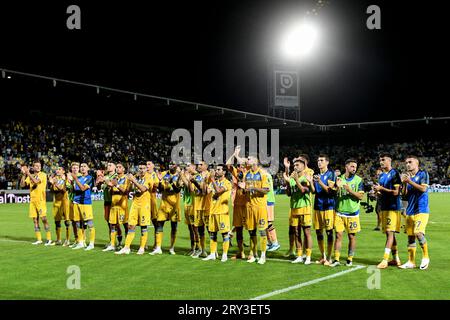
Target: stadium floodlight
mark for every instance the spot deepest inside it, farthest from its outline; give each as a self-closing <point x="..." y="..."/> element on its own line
<point x="300" y="40"/>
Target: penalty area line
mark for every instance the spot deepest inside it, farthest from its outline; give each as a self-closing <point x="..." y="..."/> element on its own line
<point x="308" y="283"/>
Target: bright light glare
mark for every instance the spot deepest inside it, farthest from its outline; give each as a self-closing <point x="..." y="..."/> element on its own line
<point x="299" y="41"/>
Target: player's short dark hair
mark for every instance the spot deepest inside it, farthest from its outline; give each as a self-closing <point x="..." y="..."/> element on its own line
<point x="411" y="156"/>
<point x="224" y="167"/>
<point x="323" y="155"/>
<point x="385" y="155"/>
<point x="142" y="163"/>
<point x="304" y="156"/>
<point x="351" y="160"/>
<point x="37" y="161"/>
<point x="120" y="164"/>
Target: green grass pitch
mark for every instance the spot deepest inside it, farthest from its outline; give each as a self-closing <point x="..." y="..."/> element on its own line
<point x="38" y="272"/>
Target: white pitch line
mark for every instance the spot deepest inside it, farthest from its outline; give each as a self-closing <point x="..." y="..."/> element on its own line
<point x="11" y="240"/>
<point x="308" y="283"/>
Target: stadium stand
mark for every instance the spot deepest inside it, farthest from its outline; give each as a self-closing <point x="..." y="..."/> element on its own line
<point x="59" y="143"/>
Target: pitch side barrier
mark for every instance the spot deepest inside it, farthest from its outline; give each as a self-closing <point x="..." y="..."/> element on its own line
<point x="23" y="196"/>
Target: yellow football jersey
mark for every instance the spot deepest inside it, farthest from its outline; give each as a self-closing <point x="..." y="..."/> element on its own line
<point x="169" y="194"/>
<point x="240" y="196"/>
<point x="60" y="195"/>
<point x="37" y="191"/>
<point x="199" y="198"/>
<point x="154" y="178"/>
<point x="119" y="199"/>
<point x="220" y="202"/>
<point x="142" y="198"/>
<point x="309" y="172"/>
<point x="257" y="179"/>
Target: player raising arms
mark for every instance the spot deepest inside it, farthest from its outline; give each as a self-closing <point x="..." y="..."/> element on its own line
<point x="37" y="181"/>
<point x="219" y="219"/>
<point x="240" y="199"/>
<point x="388" y="189"/>
<point x="140" y="209"/>
<point x="60" y="204"/>
<point x="324" y="205"/>
<point x="299" y="188"/>
<point x="350" y="191"/>
<point x="415" y="187"/>
<point x="169" y="208"/>
<point x="188" y="200"/>
<point x="119" y="187"/>
<point x="82" y="206"/>
<point x="256" y="187"/>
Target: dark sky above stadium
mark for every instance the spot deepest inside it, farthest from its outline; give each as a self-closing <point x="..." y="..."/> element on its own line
<point x="217" y="52"/>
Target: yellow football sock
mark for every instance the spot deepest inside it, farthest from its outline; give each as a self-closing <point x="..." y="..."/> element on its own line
<point x="308" y="252"/>
<point x="113" y="238"/>
<point x="412" y="254"/>
<point x="337" y="255"/>
<point x="212" y="246"/>
<point x="226" y="246"/>
<point x="299" y="252"/>
<point x="38" y="235"/>
<point x="321" y="246"/>
<point x="143" y="241"/>
<point x="350" y="258"/>
<point x="58" y="234"/>
<point x="424" y="250"/>
<point x="92" y="235"/>
<point x="129" y="239"/>
<point x="80" y="235"/>
<point x="159" y="237"/>
<point x="263" y="244"/>
<point x="387" y="253"/>
<point x="48" y="235"/>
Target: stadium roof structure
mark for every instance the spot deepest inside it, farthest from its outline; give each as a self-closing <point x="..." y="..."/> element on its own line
<point x="61" y="97"/>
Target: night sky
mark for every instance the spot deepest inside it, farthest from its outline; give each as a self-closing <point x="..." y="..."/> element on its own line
<point x="217" y="52"/>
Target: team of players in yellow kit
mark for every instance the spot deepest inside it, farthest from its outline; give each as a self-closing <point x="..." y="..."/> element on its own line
<point x="207" y="195"/>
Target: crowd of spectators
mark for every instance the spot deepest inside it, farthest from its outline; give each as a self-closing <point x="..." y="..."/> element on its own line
<point x="434" y="157"/>
<point x="58" y="144"/>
